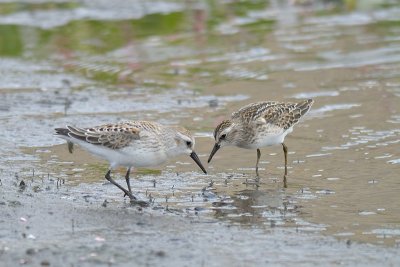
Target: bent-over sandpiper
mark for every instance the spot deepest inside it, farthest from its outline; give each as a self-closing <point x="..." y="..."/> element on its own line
<point x="258" y="125"/>
<point x="132" y="144"/>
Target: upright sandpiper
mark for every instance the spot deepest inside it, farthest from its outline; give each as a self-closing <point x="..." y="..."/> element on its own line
<point x="132" y="144"/>
<point x="258" y="125"/>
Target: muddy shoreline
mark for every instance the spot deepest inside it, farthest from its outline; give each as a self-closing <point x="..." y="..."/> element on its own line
<point x="73" y="226"/>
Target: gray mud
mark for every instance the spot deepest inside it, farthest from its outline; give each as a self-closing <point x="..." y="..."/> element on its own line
<point x="46" y="224"/>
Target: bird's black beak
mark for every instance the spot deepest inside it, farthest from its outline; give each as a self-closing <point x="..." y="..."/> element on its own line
<point x="215" y="149"/>
<point x="196" y="159"/>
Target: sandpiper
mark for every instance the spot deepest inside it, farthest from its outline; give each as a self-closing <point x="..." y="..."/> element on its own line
<point x="132" y="144"/>
<point x="258" y="125"/>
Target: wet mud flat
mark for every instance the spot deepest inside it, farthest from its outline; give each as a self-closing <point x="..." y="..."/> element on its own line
<point x="341" y="204"/>
<point x="47" y="223"/>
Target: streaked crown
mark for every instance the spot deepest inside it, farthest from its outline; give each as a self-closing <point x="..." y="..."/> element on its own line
<point x="221" y="127"/>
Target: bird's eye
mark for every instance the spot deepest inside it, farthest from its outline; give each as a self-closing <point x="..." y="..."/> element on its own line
<point x="188" y="143"/>
<point x="222" y="137"/>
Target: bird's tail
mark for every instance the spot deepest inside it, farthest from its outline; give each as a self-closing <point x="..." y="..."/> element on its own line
<point x="62" y="131"/>
<point x="65" y="132"/>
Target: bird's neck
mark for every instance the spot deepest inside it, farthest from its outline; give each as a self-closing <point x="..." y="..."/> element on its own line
<point x="238" y="135"/>
<point x="171" y="145"/>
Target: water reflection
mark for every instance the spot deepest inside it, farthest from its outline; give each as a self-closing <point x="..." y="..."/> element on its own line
<point x="251" y="206"/>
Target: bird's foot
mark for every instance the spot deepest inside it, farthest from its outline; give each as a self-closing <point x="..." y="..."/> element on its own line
<point x="134" y="201"/>
<point x="140" y="203"/>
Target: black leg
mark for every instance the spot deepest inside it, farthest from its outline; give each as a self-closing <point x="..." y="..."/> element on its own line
<point x="258" y="160"/>
<point x="127" y="179"/>
<point x="111" y="180"/>
<point x="285" y="150"/>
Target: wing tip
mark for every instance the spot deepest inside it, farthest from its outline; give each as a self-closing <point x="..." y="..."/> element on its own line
<point x="305" y="106"/>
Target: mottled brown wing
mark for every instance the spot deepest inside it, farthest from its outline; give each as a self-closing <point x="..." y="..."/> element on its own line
<point x="144" y="125"/>
<point x="252" y="112"/>
<point x="114" y="136"/>
<point x="283" y="115"/>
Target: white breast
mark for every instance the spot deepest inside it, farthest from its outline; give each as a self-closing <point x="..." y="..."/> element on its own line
<point x="140" y="155"/>
<point x="269" y="138"/>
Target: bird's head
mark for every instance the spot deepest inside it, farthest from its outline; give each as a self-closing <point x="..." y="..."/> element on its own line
<point x="224" y="135"/>
<point x="185" y="145"/>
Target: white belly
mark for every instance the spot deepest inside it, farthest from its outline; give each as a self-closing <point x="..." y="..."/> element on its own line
<point x="268" y="139"/>
<point x="138" y="156"/>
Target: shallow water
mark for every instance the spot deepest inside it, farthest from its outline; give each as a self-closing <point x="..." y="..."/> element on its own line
<point x="193" y="64"/>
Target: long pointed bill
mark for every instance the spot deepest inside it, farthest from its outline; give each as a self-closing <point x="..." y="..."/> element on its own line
<point x="215" y="149"/>
<point x="196" y="159"/>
